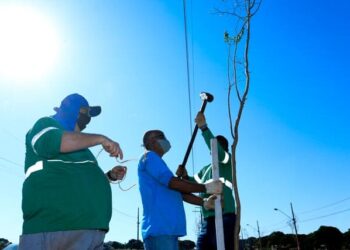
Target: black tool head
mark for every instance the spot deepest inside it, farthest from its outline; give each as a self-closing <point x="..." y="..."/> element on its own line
<point x="206" y="97"/>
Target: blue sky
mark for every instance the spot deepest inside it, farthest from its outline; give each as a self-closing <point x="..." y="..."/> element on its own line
<point x="129" y="57"/>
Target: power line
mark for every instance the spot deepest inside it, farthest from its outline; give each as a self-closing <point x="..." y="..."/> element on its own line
<point x="12" y="172"/>
<point x="125" y="214"/>
<point x="327" y="215"/>
<point x="325" y="206"/>
<point x="9" y="161"/>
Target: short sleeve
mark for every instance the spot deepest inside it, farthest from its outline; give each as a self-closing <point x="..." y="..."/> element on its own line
<point x="157" y="168"/>
<point x="45" y="138"/>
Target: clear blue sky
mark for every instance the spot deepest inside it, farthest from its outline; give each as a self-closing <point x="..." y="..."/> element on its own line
<point x="129" y="57"/>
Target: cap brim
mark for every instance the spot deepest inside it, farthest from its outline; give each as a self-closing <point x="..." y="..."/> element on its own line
<point x="94" y="111"/>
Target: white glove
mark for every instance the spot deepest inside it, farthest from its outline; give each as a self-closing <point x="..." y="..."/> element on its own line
<point x="213" y="187"/>
<point x="209" y="203"/>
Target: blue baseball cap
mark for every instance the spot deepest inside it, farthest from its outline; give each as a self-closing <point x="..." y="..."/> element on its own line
<point x="78" y="101"/>
<point x="68" y="112"/>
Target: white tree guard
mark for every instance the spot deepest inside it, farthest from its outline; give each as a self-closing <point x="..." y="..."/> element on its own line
<point x="220" y="242"/>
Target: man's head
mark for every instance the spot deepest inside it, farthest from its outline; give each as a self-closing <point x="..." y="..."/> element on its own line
<point x="75" y="112"/>
<point x="156" y="141"/>
<point x="223" y="142"/>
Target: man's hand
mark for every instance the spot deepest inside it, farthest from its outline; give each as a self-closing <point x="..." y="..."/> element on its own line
<point x="209" y="203"/>
<point x="181" y="172"/>
<point x="117" y="173"/>
<point x="112" y="148"/>
<point x="200" y="120"/>
<point x="213" y="187"/>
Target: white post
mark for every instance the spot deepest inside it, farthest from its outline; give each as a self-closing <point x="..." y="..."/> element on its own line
<point x="220" y="242"/>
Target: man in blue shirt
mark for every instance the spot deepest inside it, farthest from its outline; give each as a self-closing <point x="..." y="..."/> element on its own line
<point x="163" y="194"/>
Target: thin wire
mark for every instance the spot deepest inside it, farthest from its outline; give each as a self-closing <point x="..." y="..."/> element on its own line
<point x="119" y="181"/>
<point x="12" y="162"/>
<point x="188" y="77"/>
<point x="325" y="206"/>
<point x="327" y="215"/>
<point x="123" y="213"/>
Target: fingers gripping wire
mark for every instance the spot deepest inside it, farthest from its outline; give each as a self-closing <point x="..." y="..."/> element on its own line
<point x="119" y="181"/>
<point x="120" y="187"/>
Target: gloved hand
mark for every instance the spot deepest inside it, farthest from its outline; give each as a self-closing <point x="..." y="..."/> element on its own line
<point x="209" y="203"/>
<point x="200" y="120"/>
<point x="213" y="187"/>
<point x="181" y="172"/>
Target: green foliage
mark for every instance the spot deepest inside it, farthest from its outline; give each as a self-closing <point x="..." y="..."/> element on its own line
<point x="330" y="237"/>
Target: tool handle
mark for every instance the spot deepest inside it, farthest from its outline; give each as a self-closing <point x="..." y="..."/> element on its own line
<point x="204" y="104"/>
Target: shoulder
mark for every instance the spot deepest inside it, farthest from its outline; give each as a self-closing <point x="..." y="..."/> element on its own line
<point x="42" y="125"/>
<point x="150" y="156"/>
<point x="46" y="122"/>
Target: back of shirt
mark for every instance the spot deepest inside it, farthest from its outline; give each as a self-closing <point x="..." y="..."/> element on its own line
<point x="62" y="191"/>
<point x="163" y="210"/>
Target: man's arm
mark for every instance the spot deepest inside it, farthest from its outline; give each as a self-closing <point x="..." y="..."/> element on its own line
<point x="184" y="186"/>
<point x="208" y="135"/>
<point x="207" y="203"/>
<point x="193" y="199"/>
<point x="74" y="141"/>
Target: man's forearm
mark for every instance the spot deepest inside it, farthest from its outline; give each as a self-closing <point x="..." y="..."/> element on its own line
<point x="192" y="199"/>
<point x="74" y="141"/>
<point x="184" y="186"/>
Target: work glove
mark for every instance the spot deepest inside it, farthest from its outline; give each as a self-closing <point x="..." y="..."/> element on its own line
<point x="213" y="187"/>
<point x="209" y="203"/>
<point x="200" y="120"/>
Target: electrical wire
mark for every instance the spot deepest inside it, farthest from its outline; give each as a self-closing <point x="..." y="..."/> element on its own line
<point x="325" y="206"/>
<point x="123" y="213"/>
<point x="327" y="215"/>
<point x="9" y="161"/>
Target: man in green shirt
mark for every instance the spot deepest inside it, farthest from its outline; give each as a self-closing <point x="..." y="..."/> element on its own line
<point x="66" y="199"/>
<point x="207" y="237"/>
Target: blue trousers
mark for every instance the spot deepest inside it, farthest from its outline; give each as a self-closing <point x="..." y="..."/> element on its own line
<point x="207" y="236"/>
<point x="162" y="242"/>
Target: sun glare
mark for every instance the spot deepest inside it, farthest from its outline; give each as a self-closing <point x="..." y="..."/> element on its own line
<point x="28" y="44"/>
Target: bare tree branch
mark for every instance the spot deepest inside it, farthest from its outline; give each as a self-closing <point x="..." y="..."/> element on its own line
<point x="243" y="35"/>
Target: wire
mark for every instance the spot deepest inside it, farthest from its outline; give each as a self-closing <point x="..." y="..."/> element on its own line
<point x="12" y="162"/>
<point x="19" y="175"/>
<point x="327" y="215"/>
<point x="119" y="181"/>
<point x="325" y="206"/>
<point x="125" y="214"/>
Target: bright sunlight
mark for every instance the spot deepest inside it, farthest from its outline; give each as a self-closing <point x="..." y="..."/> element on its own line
<point x="28" y="44"/>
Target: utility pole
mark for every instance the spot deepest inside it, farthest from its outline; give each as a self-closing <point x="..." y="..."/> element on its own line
<point x="258" y="230"/>
<point x="200" y="223"/>
<point x="138" y="224"/>
<point x="257" y="224"/>
<point x="295" y="225"/>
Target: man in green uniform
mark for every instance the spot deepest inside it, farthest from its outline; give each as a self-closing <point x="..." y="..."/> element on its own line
<point x="207" y="237"/>
<point x="66" y="199"/>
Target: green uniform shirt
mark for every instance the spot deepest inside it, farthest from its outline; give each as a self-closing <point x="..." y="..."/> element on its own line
<point x="225" y="171"/>
<point x="62" y="191"/>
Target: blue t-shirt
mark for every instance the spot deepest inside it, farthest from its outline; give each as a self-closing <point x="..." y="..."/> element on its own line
<point x="163" y="210"/>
